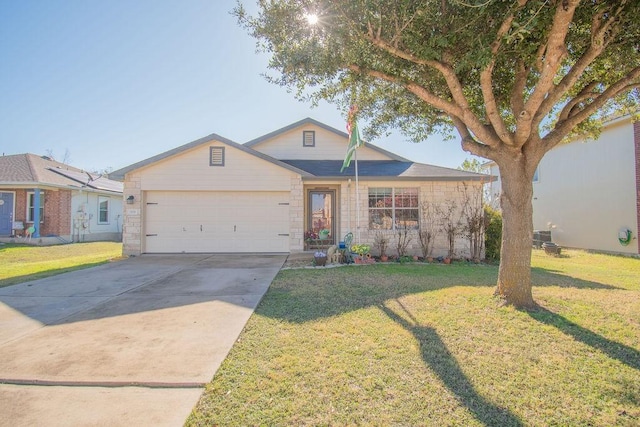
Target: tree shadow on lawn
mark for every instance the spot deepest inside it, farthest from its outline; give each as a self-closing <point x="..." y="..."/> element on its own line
<point x="615" y="350"/>
<point x="437" y="356"/>
<point x="320" y="294"/>
<point x="541" y="277"/>
<point x="311" y="294"/>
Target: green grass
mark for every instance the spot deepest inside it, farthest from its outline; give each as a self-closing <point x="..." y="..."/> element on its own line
<point x="21" y="263"/>
<point x="421" y="344"/>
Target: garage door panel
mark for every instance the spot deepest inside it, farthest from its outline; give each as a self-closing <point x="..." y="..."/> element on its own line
<point x="216" y="222"/>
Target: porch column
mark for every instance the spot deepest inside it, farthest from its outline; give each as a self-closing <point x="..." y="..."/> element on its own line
<point x="36" y="212"/>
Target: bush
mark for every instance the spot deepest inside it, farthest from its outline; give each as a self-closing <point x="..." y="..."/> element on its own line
<point x="493" y="233"/>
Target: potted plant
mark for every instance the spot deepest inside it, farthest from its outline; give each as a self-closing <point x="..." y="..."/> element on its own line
<point x="361" y="253"/>
<point x="323" y="234"/>
<point x="382" y="242"/>
<point x="320" y="259"/>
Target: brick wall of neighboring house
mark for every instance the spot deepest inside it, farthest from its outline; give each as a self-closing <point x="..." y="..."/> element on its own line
<point x="57" y="213"/>
<point x="21" y="206"/>
<point x="636" y="138"/>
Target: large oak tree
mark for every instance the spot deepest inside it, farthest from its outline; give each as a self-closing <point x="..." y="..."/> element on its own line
<point x="513" y="77"/>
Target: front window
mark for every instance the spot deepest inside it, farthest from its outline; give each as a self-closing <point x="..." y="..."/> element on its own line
<point x="393" y="208"/>
<point x="31" y="204"/>
<point x="103" y="210"/>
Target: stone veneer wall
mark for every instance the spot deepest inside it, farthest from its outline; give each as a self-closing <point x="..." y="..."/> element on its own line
<point x="132" y="227"/>
<point x="296" y="215"/>
<point x="436" y="193"/>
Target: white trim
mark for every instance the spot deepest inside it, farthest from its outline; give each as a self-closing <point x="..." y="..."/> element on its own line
<point x="100" y="200"/>
<point x="28" y="218"/>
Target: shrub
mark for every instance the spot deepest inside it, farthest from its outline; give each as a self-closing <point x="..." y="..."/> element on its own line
<point x="493" y="233"/>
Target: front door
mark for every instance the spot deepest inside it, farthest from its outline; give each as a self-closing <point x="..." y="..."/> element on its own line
<point x="321" y="214"/>
<point x="6" y="214"/>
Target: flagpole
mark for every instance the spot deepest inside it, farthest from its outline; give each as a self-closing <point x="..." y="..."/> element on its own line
<point x="355" y="154"/>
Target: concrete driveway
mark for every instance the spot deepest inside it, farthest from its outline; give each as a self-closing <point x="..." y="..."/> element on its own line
<point x="127" y="343"/>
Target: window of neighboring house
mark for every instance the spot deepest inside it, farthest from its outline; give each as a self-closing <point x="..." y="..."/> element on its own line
<point x="308" y="138"/>
<point x="393" y="208"/>
<point x="103" y="210"/>
<point x="30" y="204"/>
<point x="216" y="156"/>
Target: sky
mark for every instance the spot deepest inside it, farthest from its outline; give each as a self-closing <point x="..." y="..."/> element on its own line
<point x="110" y="83"/>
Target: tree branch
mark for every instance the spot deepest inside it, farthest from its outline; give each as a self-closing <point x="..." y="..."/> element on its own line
<point x="431" y="99"/>
<point x="586" y="93"/>
<point x="555" y="53"/>
<point x="451" y="109"/>
<point x="599" y="41"/>
<point x="577" y="116"/>
<point x="469" y="143"/>
<point x="486" y="84"/>
<point x="519" y="85"/>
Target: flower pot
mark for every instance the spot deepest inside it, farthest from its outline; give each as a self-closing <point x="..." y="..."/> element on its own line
<point x="384" y="258"/>
<point x="320" y="261"/>
<point x="447" y="260"/>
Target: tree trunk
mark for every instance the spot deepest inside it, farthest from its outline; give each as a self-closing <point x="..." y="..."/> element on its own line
<point x="514" y="275"/>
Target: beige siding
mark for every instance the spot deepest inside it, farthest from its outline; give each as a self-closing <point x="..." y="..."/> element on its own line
<point x="191" y="171"/>
<point x="586" y="192"/>
<point x="243" y="182"/>
<point x="328" y="146"/>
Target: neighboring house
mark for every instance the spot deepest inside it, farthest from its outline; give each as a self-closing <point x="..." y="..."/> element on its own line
<point x="214" y="195"/>
<point x="61" y="203"/>
<point x="588" y="192"/>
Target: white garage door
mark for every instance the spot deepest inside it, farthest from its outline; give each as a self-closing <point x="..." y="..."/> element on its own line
<point x="199" y="221"/>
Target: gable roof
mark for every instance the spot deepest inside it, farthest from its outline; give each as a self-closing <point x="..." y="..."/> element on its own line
<point x="30" y="170"/>
<point x="120" y="173"/>
<point x="385" y="169"/>
<point x="310" y="121"/>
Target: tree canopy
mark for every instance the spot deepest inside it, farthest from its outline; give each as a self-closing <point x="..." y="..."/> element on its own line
<point x="513" y="77"/>
<point x="499" y="70"/>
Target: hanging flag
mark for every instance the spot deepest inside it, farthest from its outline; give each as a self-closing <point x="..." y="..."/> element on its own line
<point x="354" y="137"/>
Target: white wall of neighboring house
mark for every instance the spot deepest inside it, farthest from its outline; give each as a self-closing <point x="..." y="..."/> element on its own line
<point x="586" y="191"/>
<point x="85" y="217"/>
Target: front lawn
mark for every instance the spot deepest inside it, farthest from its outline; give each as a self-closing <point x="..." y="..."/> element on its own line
<point x="418" y="344"/>
<point x="21" y="263"/>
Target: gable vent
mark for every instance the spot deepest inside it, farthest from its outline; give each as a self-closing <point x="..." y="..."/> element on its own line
<point x="309" y="138"/>
<point x="216" y="156"/>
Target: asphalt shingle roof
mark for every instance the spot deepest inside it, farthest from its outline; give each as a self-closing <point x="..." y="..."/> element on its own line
<point x="30" y="169"/>
<point x="383" y="168"/>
